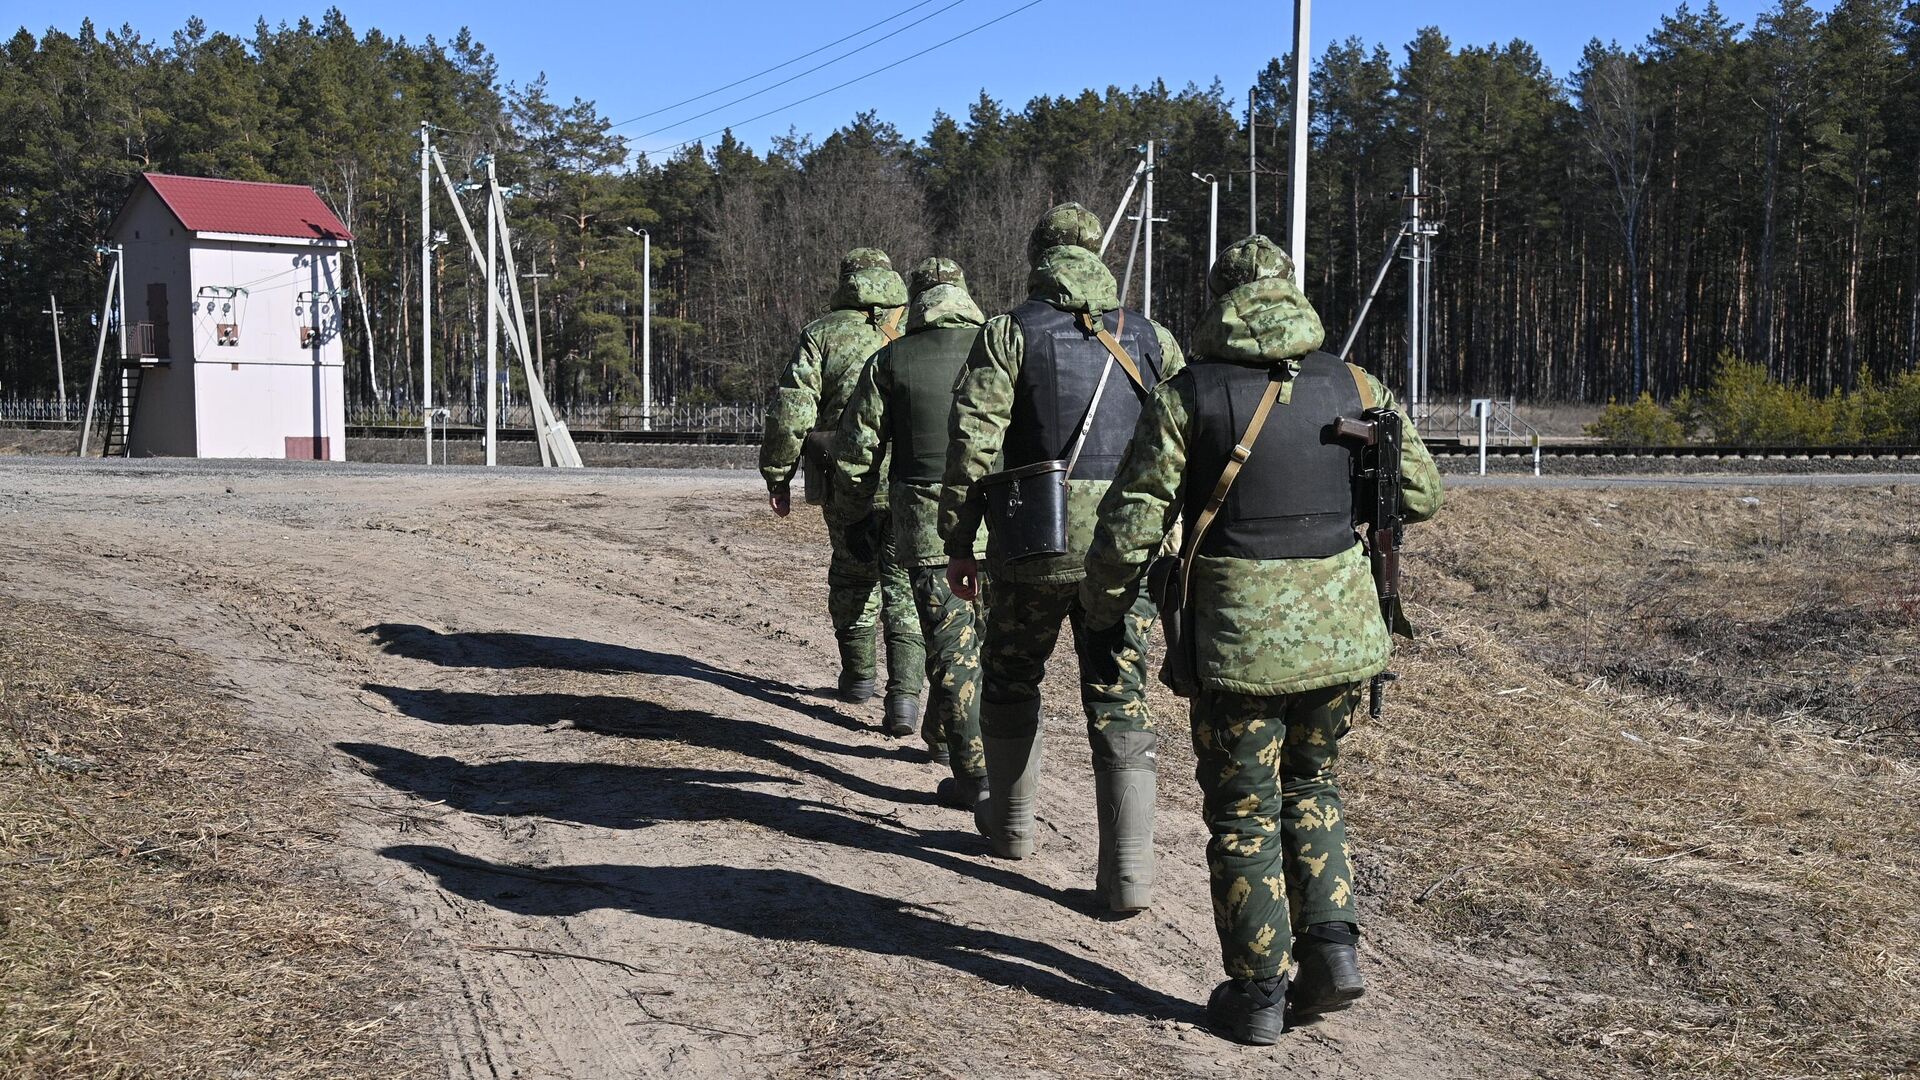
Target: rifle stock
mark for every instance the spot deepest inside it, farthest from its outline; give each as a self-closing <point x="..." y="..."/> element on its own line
<point x="1377" y="509"/>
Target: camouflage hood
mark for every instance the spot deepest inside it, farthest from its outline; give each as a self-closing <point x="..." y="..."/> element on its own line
<point x="865" y="290"/>
<point x="1073" y="279"/>
<point x="943" y="306"/>
<point x="1259" y="323"/>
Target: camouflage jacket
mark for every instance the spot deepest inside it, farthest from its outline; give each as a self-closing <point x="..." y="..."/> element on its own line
<point x="1071" y="279"/>
<point x="860" y="448"/>
<point x="1261" y="627"/>
<point x="820" y="378"/>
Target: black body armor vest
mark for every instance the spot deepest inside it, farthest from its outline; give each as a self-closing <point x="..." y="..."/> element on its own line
<point x="1060" y="369"/>
<point x="925" y="365"/>
<point x="1294" y="497"/>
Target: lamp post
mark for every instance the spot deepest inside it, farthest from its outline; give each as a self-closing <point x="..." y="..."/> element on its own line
<point x="1213" y="219"/>
<point x="646" y="327"/>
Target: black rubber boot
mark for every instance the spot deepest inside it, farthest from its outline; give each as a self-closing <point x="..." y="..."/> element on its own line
<point x="855" y="690"/>
<point x="1329" y="976"/>
<point x="963" y="793"/>
<point x="903" y="716"/>
<point x="1249" y="1012"/>
<point x="938" y="754"/>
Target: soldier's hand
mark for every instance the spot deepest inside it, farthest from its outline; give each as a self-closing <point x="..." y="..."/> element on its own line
<point x="963" y="577"/>
<point x="781" y="503"/>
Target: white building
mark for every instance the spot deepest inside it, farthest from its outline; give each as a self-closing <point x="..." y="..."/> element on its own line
<point x="233" y="296"/>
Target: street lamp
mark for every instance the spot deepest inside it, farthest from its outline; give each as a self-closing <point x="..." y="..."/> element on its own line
<point x="1213" y="221"/>
<point x="646" y="327"/>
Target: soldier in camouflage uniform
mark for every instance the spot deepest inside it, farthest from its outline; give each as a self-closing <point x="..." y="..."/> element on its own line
<point x="864" y="587"/>
<point x="1020" y="400"/>
<point x="1285" y="620"/>
<point x="899" y="411"/>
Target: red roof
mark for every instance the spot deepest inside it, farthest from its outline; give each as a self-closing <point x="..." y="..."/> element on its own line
<point x="247" y="208"/>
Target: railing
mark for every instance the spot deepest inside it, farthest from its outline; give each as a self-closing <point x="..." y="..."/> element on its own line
<point x="42" y="410"/>
<point x="729" y="418"/>
<point x="1457" y="419"/>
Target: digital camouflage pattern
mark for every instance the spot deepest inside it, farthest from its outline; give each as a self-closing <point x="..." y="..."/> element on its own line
<point x="1073" y="279"/>
<point x="1282" y="645"/>
<point x="951" y="628"/>
<point x="1252" y="259"/>
<point x="1261" y="627"/>
<point x="860" y="459"/>
<point x="1278" y="861"/>
<point x="817" y="382"/>
<point x="1022" y="630"/>
<point x="865" y="588"/>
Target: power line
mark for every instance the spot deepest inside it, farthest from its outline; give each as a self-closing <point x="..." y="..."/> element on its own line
<point x="850" y="82"/>
<point x="776" y="67"/>
<point x="775" y="86"/>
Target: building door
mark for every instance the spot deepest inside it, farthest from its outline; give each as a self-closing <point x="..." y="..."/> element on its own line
<point x="161" y="344"/>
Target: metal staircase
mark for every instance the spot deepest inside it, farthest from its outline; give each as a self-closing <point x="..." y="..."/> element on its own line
<point x="120" y="417"/>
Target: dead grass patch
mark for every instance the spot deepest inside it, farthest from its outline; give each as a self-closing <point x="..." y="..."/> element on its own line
<point x="1634" y="772"/>
<point x="160" y="913"/>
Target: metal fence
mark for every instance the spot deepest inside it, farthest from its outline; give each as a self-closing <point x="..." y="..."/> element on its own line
<point x="732" y="418"/>
<point x="1456" y="419"/>
<point x="42" y="410"/>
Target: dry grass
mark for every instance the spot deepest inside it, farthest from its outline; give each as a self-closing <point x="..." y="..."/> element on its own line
<point x="1655" y="761"/>
<point x="159" y="914"/>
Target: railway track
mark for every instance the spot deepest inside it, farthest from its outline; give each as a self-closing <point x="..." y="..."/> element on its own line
<point x="1441" y="447"/>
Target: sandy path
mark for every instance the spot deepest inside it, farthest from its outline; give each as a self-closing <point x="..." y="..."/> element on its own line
<point x="584" y="714"/>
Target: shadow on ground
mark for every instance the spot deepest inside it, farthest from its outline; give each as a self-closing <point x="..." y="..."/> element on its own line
<point x="612" y="796"/>
<point x="784" y="905"/>
<point x="514" y="650"/>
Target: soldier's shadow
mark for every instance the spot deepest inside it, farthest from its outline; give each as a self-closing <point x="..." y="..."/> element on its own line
<point x="785" y="905"/>
<point x="508" y="650"/>
<point x="633" y="718"/>
<point x="637" y="796"/>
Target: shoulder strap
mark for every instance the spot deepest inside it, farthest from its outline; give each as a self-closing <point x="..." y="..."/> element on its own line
<point x="1241" y="452"/>
<point x="1098" y="328"/>
<point x="1362" y="384"/>
<point x="891" y="328"/>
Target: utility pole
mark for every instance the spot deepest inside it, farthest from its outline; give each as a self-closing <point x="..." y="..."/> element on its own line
<point x="1302" y="96"/>
<point x="116" y="297"/>
<point x="493" y="329"/>
<point x="646" y="330"/>
<point x="59" y="362"/>
<point x="426" y="290"/>
<point x="1253" y="166"/>
<point x="1146" y="210"/>
<point x="539" y="336"/>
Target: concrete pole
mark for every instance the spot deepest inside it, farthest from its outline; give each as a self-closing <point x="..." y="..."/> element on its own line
<point x="120" y="260"/>
<point x="1106" y="238"/>
<point x="1302" y="96"/>
<point x="99" y="356"/>
<point x="1146" y="213"/>
<point x="646" y="330"/>
<point x="493" y="328"/>
<point x="426" y="290"/>
<point x="1253" y="167"/>
<point x="59" y="362"/>
<point x="1413" y="293"/>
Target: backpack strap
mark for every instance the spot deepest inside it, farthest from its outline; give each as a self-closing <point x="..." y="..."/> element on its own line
<point x="891" y="328"/>
<point x="1364" y="385"/>
<point x="1242" y="450"/>
<point x="1098" y="329"/>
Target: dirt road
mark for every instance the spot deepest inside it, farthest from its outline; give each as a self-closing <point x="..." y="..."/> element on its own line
<point x="635" y="835"/>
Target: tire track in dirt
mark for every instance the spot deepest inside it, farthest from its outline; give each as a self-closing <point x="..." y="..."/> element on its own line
<point x="607" y="690"/>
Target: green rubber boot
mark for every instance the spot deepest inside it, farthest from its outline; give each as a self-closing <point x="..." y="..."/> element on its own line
<point x="1013" y="776"/>
<point x="1125" y="799"/>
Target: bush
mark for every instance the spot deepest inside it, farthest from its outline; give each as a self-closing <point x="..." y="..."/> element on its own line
<point x="1642" y="423"/>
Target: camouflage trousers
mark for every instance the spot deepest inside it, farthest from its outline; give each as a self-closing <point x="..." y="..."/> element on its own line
<point x="1023" y="626"/>
<point x="1279" y="859"/>
<point x="866" y="589"/>
<point x="950" y="626"/>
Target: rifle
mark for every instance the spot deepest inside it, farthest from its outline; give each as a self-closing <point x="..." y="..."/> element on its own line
<point x="1377" y="490"/>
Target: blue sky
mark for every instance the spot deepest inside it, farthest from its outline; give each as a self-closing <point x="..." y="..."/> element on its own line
<point x="634" y="58"/>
